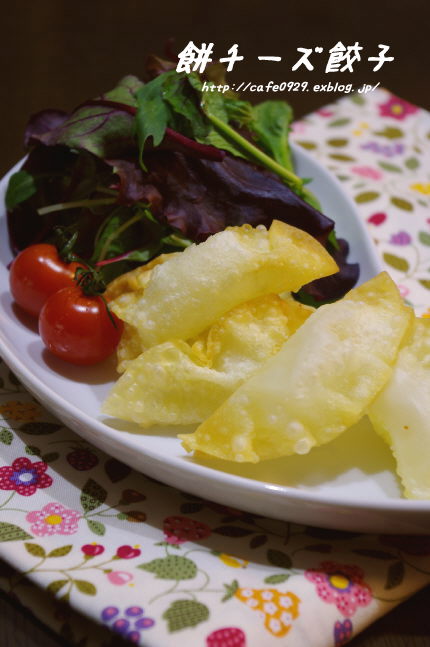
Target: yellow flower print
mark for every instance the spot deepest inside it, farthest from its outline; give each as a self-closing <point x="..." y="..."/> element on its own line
<point x="426" y="314"/>
<point x="234" y="562"/>
<point x="20" y="411"/>
<point x="421" y="188"/>
<point x="277" y="608"/>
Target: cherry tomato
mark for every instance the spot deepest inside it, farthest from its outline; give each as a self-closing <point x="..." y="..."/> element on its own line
<point x="78" y="328"/>
<point x="36" y="273"/>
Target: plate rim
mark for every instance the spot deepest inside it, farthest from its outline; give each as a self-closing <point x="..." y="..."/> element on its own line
<point x="52" y="401"/>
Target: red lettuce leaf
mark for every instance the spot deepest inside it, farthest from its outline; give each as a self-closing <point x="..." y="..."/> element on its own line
<point x="41" y="123"/>
<point x="131" y="185"/>
<point x="104" y="130"/>
<point x="201" y="197"/>
<point x="331" y="288"/>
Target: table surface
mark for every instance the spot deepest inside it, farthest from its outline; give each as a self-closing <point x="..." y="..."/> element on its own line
<point x="406" y="626"/>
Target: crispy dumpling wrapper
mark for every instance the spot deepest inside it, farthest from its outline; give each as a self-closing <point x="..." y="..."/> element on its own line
<point x="401" y="412"/>
<point x="122" y="294"/>
<point x="183" y="383"/>
<point x="187" y="294"/>
<point x="135" y="279"/>
<point x="317" y="385"/>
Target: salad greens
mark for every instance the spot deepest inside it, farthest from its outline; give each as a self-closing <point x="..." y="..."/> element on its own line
<point x="150" y="167"/>
<point x="178" y="101"/>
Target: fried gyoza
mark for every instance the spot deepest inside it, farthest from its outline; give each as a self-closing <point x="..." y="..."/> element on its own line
<point x="122" y="294"/>
<point x="401" y="412"/>
<point x="185" y="295"/>
<point x="183" y="383"/>
<point x="317" y="385"/>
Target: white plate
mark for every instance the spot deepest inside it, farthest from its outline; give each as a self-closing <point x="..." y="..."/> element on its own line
<point x="348" y="484"/>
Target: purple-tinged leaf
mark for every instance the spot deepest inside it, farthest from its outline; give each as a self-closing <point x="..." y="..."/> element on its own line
<point x="201" y="197"/>
<point x="41" y="123"/>
<point x="332" y="287"/>
<point x="131" y="186"/>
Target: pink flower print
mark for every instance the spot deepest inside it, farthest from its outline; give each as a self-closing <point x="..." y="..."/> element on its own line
<point x="402" y="238"/>
<point x="53" y="519"/>
<point x="325" y="113"/>
<point x="298" y="127"/>
<point x="368" y="172"/>
<point x="397" y="108"/>
<point x="342" y="585"/>
<point x="24" y="477"/>
<point x="119" y="578"/>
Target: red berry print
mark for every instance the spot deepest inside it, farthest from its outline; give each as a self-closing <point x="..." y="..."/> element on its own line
<point x="127" y="552"/>
<point x="179" y="529"/>
<point x="226" y="637"/>
<point x="91" y="550"/>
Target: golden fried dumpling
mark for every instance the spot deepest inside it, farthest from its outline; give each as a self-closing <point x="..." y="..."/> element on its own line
<point x="186" y="294"/>
<point x="401" y="412"/>
<point x="134" y="279"/>
<point x="317" y="385"/>
<point x="183" y="383"/>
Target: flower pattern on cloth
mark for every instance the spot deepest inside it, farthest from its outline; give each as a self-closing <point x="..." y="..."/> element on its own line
<point x="93" y="549"/>
<point x="367" y="171"/>
<point x="53" y="519"/>
<point x="397" y="108"/>
<point x="378" y="146"/>
<point x="226" y="637"/>
<point x="15" y="410"/>
<point x="277" y="609"/>
<point x="170" y="568"/>
<point x="342" y="585"/>
<point x="179" y="529"/>
<point x="128" y="624"/>
<point x="342" y="632"/>
<point x="24" y="477"/>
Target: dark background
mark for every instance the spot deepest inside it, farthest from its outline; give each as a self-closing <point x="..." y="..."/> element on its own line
<point x="57" y="53"/>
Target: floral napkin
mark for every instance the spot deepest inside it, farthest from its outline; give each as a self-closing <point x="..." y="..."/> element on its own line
<point x="161" y="567"/>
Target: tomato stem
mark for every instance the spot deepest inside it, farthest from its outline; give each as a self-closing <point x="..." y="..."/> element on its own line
<point x="90" y="281"/>
<point x="92" y="284"/>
